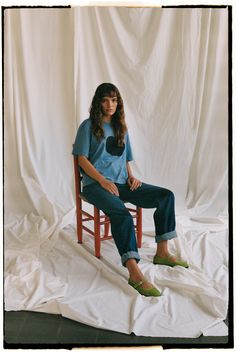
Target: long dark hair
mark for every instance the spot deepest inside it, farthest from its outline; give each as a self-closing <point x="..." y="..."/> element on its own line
<point x="118" y="119"/>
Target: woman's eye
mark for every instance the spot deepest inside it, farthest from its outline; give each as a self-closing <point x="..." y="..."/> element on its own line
<point x="106" y="100"/>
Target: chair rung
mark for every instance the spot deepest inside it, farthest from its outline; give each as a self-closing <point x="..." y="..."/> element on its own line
<point x="133" y="210"/>
<point x="88" y="230"/>
<point x="87" y="219"/>
<point x="104" y="222"/>
<point x="101" y="222"/>
<point x="87" y="214"/>
<point x="91" y="216"/>
<point x="92" y="233"/>
<point x="106" y="238"/>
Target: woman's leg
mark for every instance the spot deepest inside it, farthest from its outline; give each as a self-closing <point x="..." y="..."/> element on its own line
<point x="122" y="228"/>
<point x="149" y="196"/>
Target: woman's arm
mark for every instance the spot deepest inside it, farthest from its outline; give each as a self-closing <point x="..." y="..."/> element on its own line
<point x="129" y="171"/>
<point x="133" y="182"/>
<point x="90" y="170"/>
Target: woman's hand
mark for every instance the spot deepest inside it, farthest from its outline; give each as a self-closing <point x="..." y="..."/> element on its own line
<point x="109" y="186"/>
<point x="133" y="183"/>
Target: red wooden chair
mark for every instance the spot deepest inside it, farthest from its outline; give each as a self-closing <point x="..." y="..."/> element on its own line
<point x="82" y="216"/>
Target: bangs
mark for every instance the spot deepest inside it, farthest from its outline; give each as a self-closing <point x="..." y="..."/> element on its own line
<point x="109" y="93"/>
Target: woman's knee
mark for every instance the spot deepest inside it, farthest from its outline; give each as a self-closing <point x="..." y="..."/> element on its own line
<point x="122" y="222"/>
<point x="165" y="195"/>
<point x="121" y="212"/>
<point x="170" y="195"/>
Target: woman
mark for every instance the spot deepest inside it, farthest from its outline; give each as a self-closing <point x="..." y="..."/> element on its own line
<point x="103" y="146"/>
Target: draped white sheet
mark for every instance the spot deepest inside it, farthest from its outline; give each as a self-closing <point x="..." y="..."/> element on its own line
<point x="170" y="66"/>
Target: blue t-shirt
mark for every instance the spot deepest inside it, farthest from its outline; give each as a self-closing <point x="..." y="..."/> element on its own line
<point x="105" y="155"/>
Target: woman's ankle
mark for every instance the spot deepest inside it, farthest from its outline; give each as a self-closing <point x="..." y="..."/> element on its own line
<point x="162" y="254"/>
<point x="162" y="249"/>
<point x="135" y="273"/>
<point x="136" y="277"/>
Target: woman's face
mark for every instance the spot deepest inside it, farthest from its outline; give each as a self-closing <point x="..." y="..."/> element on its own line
<point x="109" y="105"/>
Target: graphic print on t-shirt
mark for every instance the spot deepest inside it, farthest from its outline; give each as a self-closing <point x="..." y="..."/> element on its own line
<point x="112" y="148"/>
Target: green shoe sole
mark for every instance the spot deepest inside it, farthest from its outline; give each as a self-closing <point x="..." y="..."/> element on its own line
<point x="167" y="261"/>
<point x="148" y="292"/>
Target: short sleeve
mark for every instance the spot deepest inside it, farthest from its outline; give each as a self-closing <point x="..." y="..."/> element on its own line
<point x="129" y="154"/>
<point x="82" y="140"/>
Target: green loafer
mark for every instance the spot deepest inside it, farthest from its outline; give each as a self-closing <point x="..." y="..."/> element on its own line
<point x="148" y="292"/>
<point x="167" y="261"/>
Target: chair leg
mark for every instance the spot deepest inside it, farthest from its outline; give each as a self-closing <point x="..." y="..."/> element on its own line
<point x="79" y="220"/>
<point x="97" y="237"/>
<point x="139" y="227"/>
<point x="106" y="227"/>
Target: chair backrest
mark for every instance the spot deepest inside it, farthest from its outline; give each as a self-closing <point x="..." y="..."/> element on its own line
<point x="78" y="176"/>
<point x="77" y="173"/>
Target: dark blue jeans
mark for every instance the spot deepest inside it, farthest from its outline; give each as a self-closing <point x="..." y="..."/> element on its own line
<point x="122" y="225"/>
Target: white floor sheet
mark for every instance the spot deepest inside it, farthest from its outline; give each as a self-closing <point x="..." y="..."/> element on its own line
<point x="68" y="279"/>
<point x="171" y="67"/>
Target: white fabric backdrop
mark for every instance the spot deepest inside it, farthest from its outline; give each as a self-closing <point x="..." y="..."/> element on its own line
<point x="170" y="66"/>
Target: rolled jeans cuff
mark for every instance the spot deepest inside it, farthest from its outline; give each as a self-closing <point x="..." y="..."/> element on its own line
<point x="130" y="255"/>
<point x="165" y="236"/>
